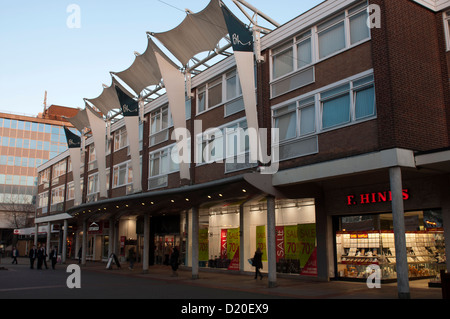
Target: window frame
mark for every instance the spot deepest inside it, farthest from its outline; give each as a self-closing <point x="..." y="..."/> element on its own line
<point x="318" y="106"/>
<point x="446" y="17"/>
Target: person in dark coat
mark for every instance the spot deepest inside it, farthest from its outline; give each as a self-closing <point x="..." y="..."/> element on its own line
<point x="42" y="255"/>
<point x="257" y="263"/>
<point x="174" y="261"/>
<point x="32" y="255"/>
<point x="54" y="257"/>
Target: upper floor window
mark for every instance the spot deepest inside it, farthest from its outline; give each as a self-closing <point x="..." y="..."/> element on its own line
<point x="120" y="139"/>
<point x="296" y="119"/>
<point x="292" y="56"/>
<point x="344" y="30"/>
<point x="209" y="95"/>
<point x="349" y="102"/>
<point x="59" y="169"/>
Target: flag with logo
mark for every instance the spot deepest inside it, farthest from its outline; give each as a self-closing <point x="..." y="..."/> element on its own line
<point x="242" y="42"/>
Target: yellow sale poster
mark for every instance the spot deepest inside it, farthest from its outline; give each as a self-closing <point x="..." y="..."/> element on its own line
<point x="203" y="249"/>
<point x="261" y="241"/>
<point x="306" y="234"/>
<point x="233" y="242"/>
<point x="291" y="249"/>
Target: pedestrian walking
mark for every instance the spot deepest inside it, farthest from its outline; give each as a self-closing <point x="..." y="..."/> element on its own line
<point x="54" y="257"/>
<point x="32" y="255"/>
<point x="174" y="261"/>
<point x="14" y="255"/>
<point x="131" y="258"/>
<point x="42" y="255"/>
<point x="257" y="263"/>
<point x="80" y="253"/>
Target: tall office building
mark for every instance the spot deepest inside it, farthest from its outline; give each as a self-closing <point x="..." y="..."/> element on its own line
<point x="25" y="143"/>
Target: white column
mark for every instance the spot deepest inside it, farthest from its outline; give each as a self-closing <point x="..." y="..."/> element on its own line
<point x="84" y="243"/>
<point x="398" y="216"/>
<point x="64" y="244"/>
<point x="271" y="242"/>
<point x="111" y="237"/>
<point x="49" y="233"/>
<point x="146" y="243"/>
<point x="195" y="232"/>
<point x="36" y="229"/>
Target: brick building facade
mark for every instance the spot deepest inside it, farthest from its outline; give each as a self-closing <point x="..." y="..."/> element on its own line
<point x="362" y="115"/>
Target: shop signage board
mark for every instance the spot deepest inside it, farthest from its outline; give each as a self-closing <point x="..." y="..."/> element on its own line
<point x="375" y="197"/>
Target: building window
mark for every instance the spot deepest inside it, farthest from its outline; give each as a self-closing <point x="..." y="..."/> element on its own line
<point x="92" y="184"/>
<point x="57" y="195"/>
<point x="209" y="95"/>
<point x="120" y="175"/>
<point x="43" y="200"/>
<point x="159" y="124"/>
<point x="296" y="119"/>
<point x="331" y="36"/>
<point x="164" y="161"/>
<point x="349" y="102"/>
<point x="70" y="191"/>
<point x="120" y="139"/>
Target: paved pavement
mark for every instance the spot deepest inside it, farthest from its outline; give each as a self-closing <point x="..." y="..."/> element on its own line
<point x="18" y="281"/>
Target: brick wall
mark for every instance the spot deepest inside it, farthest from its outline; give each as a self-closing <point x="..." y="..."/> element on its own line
<point x="407" y="54"/>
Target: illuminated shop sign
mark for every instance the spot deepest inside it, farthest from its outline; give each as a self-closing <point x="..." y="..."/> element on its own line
<point x="372" y="198"/>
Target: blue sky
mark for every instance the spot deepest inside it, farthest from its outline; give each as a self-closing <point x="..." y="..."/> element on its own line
<point x="39" y="52"/>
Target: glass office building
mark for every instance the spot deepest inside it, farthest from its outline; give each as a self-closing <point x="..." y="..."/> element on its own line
<point x="25" y="143"/>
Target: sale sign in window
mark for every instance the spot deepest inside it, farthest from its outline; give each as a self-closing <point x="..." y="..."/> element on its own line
<point x="261" y="241"/>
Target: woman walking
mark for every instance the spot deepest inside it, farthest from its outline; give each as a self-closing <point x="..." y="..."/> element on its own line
<point x="257" y="263"/>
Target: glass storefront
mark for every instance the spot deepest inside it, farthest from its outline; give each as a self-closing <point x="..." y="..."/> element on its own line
<point x="220" y="236"/>
<point x="365" y="243"/>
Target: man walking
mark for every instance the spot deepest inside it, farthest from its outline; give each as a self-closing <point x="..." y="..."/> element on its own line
<point x="54" y="257"/>
<point x="32" y="255"/>
<point x="42" y="255"/>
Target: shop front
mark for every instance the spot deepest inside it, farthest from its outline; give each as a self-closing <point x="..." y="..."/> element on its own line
<point x="363" y="231"/>
<point x="365" y="241"/>
<point x="230" y="233"/>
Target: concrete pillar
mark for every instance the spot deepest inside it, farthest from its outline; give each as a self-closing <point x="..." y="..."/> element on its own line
<point x="271" y="242"/>
<point x="195" y="248"/>
<point x="84" y="243"/>
<point x="64" y="243"/>
<point x="242" y="257"/>
<point x="398" y="215"/>
<point x="145" y="257"/>
<point x="111" y="237"/>
<point x="47" y="246"/>
<point x="324" y="237"/>
<point x="36" y="229"/>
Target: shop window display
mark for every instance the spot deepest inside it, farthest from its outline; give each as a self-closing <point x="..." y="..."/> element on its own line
<point x="220" y="244"/>
<point x="366" y="241"/>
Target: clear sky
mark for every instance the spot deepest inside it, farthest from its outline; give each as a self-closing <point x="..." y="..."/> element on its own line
<point x="39" y="52"/>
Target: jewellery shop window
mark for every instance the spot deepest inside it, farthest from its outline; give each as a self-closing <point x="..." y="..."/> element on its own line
<point x="364" y="243"/>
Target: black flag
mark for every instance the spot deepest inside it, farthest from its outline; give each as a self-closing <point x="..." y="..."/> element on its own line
<point x="73" y="140"/>
<point x="129" y="106"/>
<point x="241" y="37"/>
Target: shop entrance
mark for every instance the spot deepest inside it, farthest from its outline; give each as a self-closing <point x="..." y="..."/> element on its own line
<point x="366" y="242"/>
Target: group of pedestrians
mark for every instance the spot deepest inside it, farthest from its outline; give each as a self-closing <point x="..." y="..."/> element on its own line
<point x="41" y="255"/>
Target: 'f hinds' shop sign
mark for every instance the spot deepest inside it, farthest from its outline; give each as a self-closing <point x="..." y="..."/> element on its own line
<point x="372" y="198"/>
